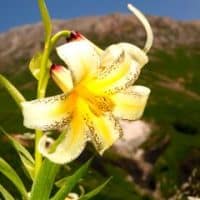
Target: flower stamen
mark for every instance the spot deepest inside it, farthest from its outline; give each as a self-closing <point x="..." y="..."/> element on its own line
<point x="97" y="103"/>
<point x="75" y="35"/>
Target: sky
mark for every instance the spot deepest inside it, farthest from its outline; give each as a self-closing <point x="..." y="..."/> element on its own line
<point x="14" y="13"/>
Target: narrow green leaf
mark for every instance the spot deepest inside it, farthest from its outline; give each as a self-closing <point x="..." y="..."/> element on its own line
<point x="5" y="193"/>
<point x="35" y="65"/>
<point x="44" y="181"/>
<point x="10" y="173"/>
<point x="46" y="19"/>
<point x="68" y="183"/>
<point x="62" y="181"/>
<point x="94" y="192"/>
<point x="12" y="90"/>
<point x="29" y="167"/>
<point x="24" y="154"/>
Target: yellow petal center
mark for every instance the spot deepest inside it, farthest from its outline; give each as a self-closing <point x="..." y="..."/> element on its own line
<point x="97" y="103"/>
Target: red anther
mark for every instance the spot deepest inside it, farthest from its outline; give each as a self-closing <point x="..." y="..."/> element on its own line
<point x="55" y="67"/>
<point x="75" y="35"/>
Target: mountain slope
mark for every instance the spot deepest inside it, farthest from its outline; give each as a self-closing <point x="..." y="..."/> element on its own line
<point x="21" y="43"/>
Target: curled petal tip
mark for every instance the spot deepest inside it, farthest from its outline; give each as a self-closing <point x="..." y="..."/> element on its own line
<point x="144" y="21"/>
<point x="129" y="5"/>
<point x="75" y="35"/>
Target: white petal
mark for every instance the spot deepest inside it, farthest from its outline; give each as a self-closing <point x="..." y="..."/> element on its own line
<point x="62" y="77"/>
<point x="117" y="71"/>
<point x="135" y="52"/>
<point x="130" y="103"/>
<point x="104" y="131"/>
<point x="76" y="36"/>
<point x="81" y="58"/>
<point x="98" y="49"/>
<point x="46" y="114"/>
<point x="71" y="145"/>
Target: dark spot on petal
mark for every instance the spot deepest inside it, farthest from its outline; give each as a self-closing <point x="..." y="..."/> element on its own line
<point x="47" y="144"/>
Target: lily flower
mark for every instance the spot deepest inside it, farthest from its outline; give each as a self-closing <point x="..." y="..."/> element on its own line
<point x="97" y="90"/>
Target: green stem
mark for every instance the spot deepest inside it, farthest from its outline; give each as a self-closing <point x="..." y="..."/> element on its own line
<point x="58" y="35"/>
<point x="38" y="156"/>
<point x="42" y="85"/>
<point x="41" y="91"/>
<point x="46" y="19"/>
<point x="44" y="76"/>
<point x="43" y="79"/>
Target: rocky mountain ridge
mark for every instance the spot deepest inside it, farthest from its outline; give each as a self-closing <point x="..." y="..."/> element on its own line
<point x="22" y="42"/>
